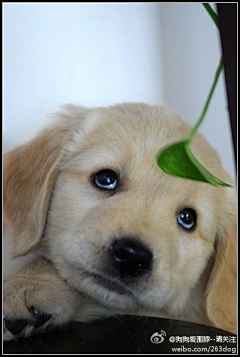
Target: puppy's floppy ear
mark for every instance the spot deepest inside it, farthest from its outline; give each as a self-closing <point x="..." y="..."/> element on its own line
<point x="29" y="174"/>
<point x="222" y="286"/>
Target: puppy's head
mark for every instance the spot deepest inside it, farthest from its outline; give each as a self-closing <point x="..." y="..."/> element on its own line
<point x="89" y="194"/>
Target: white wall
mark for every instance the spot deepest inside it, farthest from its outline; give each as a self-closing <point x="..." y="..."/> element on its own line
<point x="101" y="54"/>
<point x="89" y="54"/>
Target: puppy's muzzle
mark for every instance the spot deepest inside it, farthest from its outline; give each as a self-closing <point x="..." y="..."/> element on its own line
<point x="130" y="257"/>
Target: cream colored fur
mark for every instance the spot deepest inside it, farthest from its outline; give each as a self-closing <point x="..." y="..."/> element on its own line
<point x="58" y="226"/>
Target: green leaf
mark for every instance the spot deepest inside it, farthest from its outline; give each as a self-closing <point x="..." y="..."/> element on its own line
<point x="178" y="160"/>
<point x="174" y="160"/>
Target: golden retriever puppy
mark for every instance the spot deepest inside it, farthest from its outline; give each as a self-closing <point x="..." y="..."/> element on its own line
<point x="94" y="227"/>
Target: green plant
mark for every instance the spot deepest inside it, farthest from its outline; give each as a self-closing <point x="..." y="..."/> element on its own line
<point x="177" y="159"/>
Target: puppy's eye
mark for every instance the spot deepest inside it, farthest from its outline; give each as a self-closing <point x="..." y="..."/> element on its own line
<point x="187" y="218"/>
<point x="106" y="179"/>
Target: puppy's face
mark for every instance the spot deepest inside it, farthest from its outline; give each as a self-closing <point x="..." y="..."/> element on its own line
<point x="119" y="229"/>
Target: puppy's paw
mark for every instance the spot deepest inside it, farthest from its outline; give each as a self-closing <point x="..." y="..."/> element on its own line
<point x="34" y="303"/>
<point x="14" y="328"/>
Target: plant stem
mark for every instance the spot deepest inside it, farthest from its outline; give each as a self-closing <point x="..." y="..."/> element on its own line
<point x="209" y="97"/>
<point x="212" y="13"/>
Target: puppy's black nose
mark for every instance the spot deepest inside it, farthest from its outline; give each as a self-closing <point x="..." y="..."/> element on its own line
<point x="130" y="257"/>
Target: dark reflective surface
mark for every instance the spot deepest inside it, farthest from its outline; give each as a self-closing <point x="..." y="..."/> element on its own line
<point x="128" y="335"/>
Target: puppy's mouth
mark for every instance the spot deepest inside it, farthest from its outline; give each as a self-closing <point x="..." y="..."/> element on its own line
<point x="111" y="285"/>
<point x="107" y="290"/>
